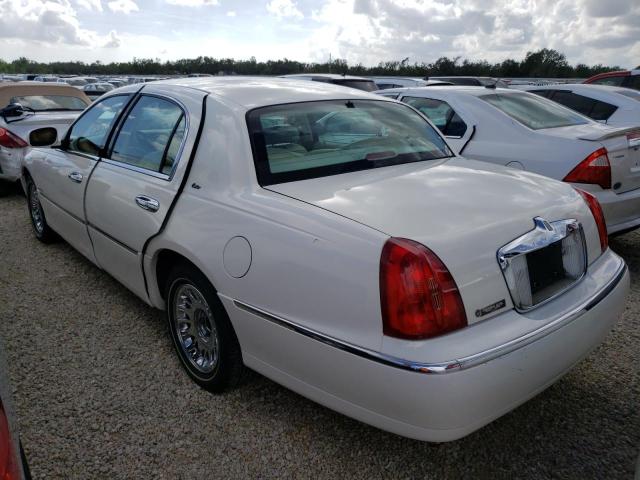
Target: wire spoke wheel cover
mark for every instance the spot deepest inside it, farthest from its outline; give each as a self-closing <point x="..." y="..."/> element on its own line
<point x="35" y="209"/>
<point x="195" y="329"/>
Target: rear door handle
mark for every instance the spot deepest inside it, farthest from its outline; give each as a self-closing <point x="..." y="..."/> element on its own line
<point x="147" y="203"/>
<point x="76" y="177"/>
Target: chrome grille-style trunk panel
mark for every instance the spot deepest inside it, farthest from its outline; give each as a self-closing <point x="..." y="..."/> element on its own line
<point x="544" y="262"/>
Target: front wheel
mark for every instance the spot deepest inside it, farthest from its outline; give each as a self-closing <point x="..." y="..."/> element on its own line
<point x="41" y="228"/>
<point x="202" y="333"/>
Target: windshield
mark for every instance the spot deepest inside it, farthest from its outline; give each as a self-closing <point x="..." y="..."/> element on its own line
<point x="42" y="103"/>
<point x="316" y="139"/>
<point x="366" y="85"/>
<point x="534" y="111"/>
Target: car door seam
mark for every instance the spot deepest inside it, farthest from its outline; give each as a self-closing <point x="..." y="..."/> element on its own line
<point x="183" y="182"/>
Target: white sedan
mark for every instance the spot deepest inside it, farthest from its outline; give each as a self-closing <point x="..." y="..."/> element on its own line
<point x="529" y="132"/>
<point x="603" y="103"/>
<point x="329" y="239"/>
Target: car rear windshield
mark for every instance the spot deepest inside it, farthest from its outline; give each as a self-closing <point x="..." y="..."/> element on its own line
<point x="534" y="111"/>
<point x="317" y="139"/>
<point x="43" y="103"/>
<point x="366" y="85"/>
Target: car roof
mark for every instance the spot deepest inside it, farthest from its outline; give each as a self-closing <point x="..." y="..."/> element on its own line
<point x="332" y="76"/>
<point x="9" y="90"/>
<point x="253" y="92"/>
<point x="471" y="90"/>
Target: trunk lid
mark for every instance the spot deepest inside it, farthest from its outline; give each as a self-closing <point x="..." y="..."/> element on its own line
<point x="464" y="215"/>
<point x="623" y="149"/>
<point x="58" y="120"/>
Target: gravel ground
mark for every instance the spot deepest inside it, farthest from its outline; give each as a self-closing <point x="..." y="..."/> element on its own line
<point x="100" y="394"/>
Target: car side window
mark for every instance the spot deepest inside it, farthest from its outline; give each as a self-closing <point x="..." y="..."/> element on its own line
<point x="89" y="134"/>
<point x="576" y="102"/>
<point x="614" y="81"/>
<point x="151" y="135"/>
<point x="594" y="109"/>
<point x="633" y="82"/>
<point x="440" y="113"/>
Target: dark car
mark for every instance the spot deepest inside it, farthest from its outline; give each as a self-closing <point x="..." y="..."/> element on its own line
<point x="622" y="78"/>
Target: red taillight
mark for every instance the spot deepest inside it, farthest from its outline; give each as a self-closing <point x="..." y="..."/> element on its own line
<point x="9" y="469"/>
<point x="594" y="169"/>
<point x="418" y="295"/>
<point x="11" y="140"/>
<point x="596" y="211"/>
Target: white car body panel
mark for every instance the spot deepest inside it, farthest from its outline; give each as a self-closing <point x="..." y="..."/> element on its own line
<point x="492" y="136"/>
<point x="304" y="298"/>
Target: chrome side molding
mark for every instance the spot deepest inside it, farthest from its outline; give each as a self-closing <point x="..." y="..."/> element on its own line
<point x="450" y="365"/>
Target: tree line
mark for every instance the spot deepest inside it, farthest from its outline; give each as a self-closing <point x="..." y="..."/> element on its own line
<point x="541" y="63"/>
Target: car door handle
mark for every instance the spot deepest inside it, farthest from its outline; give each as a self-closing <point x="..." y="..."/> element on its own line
<point x="76" y="177"/>
<point x="147" y="203"/>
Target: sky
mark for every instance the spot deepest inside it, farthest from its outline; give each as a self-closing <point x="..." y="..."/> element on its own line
<point x="360" y="31"/>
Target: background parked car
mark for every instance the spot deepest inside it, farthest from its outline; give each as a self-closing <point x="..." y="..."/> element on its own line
<point x="384" y="83"/>
<point x="376" y="232"/>
<point x="13" y="464"/>
<point x="623" y="78"/>
<point x="35" y="105"/>
<point x="94" y="90"/>
<point x="526" y="131"/>
<point x="611" y="105"/>
<point x="359" y="83"/>
<point x="473" y="81"/>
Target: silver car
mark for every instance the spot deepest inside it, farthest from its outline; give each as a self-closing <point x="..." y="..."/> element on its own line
<point x="25" y="107"/>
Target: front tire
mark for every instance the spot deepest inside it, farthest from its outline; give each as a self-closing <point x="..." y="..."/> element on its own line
<point x="41" y="228"/>
<point x="201" y="331"/>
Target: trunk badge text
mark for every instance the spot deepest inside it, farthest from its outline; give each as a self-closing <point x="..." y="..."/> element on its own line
<point x="481" y="312"/>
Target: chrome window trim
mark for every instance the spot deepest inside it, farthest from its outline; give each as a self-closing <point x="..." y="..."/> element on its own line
<point x="163" y="176"/>
<point x="449" y="366"/>
<point x="543" y="234"/>
<point x="134" y="168"/>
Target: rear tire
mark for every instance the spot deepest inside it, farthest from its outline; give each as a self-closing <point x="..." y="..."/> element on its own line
<point x="41" y="228"/>
<point x="201" y="331"/>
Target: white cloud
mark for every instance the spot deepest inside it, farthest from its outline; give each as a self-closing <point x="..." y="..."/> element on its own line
<point x="90" y="4"/>
<point x="284" y="9"/>
<point x="370" y="31"/>
<point x="193" y="3"/>
<point x="113" y="40"/>
<point x="123" y="6"/>
<point x="231" y="13"/>
<point x="48" y="23"/>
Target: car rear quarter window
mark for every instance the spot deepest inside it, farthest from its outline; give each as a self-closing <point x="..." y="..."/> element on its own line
<point x="440" y="113"/>
<point x="533" y="111"/>
<point x="89" y="134"/>
<point x="151" y="135"/>
<point x="42" y="103"/>
<point x="317" y="139"/>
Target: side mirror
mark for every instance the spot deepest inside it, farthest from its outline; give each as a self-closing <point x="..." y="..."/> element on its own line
<point x="43" y="137"/>
<point x="12" y="110"/>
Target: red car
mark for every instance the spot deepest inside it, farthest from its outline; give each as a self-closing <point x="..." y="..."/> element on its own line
<point x="623" y="78"/>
